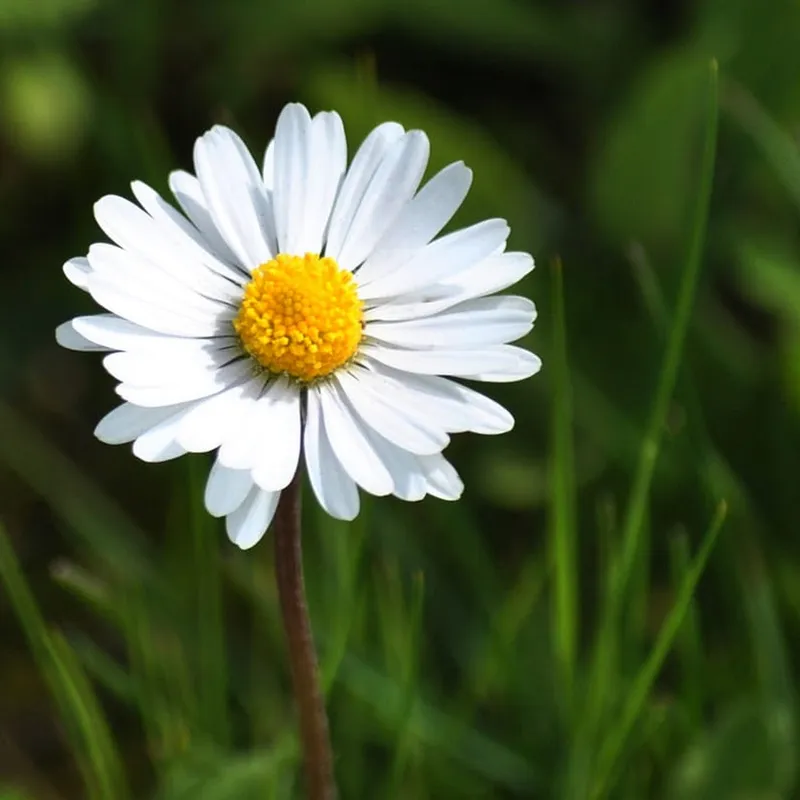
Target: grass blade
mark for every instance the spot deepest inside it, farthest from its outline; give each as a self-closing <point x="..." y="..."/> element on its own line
<point x="648" y="454"/>
<point x="778" y="147"/>
<point x="210" y="669"/>
<point x="89" y="733"/>
<point x="563" y="502"/>
<point x="643" y="682"/>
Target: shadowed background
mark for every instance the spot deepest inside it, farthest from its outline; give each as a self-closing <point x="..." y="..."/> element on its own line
<point x="454" y="667"/>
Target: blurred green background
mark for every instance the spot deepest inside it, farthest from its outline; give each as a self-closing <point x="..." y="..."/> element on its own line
<point x="549" y="636"/>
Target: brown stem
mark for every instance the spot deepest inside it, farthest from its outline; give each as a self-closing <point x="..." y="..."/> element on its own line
<point x="300" y="645"/>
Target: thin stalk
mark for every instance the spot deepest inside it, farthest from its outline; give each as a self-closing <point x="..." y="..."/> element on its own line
<point x="300" y="645"/>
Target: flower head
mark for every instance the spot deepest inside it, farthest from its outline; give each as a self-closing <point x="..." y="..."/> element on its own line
<point x="307" y="308"/>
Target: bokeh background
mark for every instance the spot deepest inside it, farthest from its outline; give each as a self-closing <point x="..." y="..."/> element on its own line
<point x="466" y="648"/>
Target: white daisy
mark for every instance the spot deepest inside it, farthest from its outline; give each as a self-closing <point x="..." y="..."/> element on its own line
<point x="307" y="307"/>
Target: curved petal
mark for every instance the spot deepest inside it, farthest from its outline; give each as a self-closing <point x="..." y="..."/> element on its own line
<point x="498" y="363"/>
<point x="187" y="387"/>
<point x="130" y="289"/>
<point x="420" y="220"/>
<point x="186" y="236"/>
<point x="351" y="443"/>
<point x="404" y="426"/>
<point x="491" y="275"/>
<point x="159" y="443"/>
<point x="77" y="272"/>
<point x="249" y="522"/>
<point x="235" y="195"/>
<point x="213" y="419"/>
<point x="127" y="422"/>
<point x="226" y="489"/>
<point x="392" y="186"/>
<point x="474" y="323"/>
<point x="442" y="479"/>
<point x="445" y="256"/>
<point x="67" y="336"/>
<point x="335" y="490"/>
<point x="367" y="159"/>
<point x="309" y="160"/>
<point x="189" y="194"/>
<point x="176" y="360"/>
<point x="276" y="431"/>
<point x="116" y="333"/>
<point x="440" y="401"/>
<point x="142" y="237"/>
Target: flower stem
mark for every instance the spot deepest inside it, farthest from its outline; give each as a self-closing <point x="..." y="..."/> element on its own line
<point x="300" y="645"/>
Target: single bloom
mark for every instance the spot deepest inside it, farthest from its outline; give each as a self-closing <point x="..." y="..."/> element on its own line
<point x="305" y="308"/>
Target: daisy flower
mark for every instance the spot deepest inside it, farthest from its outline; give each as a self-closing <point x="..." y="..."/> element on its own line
<point x="307" y="309"/>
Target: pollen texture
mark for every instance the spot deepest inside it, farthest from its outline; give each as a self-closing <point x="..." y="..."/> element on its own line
<point x="300" y="316"/>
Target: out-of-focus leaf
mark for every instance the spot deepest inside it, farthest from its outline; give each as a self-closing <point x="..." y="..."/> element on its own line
<point x="770" y="274"/>
<point x="512" y="480"/>
<point x="13" y="794"/>
<point x="45" y="105"/>
<point x="756" y="43"/>
<point x="518" y="30"/>
<point x="791" y="365"/>
<point x="21" y="15"/>
<point x="741" y="759"/>
<point x="211" y="775"/>
<point x="646" y="167"/>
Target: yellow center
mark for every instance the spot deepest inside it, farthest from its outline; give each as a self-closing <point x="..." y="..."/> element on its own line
<point x="300" y="316"/>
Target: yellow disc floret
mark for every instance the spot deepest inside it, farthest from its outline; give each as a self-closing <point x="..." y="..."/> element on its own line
<point x="300" y="316"/>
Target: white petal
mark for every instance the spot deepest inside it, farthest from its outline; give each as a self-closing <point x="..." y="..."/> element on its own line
<point x="490" y="275"/>
<point x="391" y="187"/>
<point x="138" y="233"/>
<point x="115" y="333"/>
<point x="127" y="422"/>
<point x="226" y="489"/>
<point x="184" y="235"/>
<point x="201" y="384"/>
<point x="189" y="194"/>
<point x="351" y="443"/>
<point x="67" y="336"/>
<point x="310" y="159"/>
<point x="248" y="523"/>
<point x="175" y="361"/>
<point x="235" y="195"/>
<point x="438" y="400"/>
<point x="276" y="431"/>
<point x="335" y="490"/>
<point x="500" y="363"/>
<point x="410" y="483"/>
<point x="365" y="163"/>
<point x="159" y="444"/>
<point x="213" y="419"/>
<point x="240" y="448"/>
<point x="77" y="271"/>
<point x="328" y="165"/>
<point x="268" y="169"/>
<point x="152" y="303"/>
<point x="474" y="323"/>
<point x="399" y="425"/>
<point x="292" y="148"/>
<point x="443" y="480"/>
<point x="443" y="257"/>
<point x="146" y="307"/>
<point x="526" y="364"/>
<point x="493" y="274"/>
<point x="421" y="219"/>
